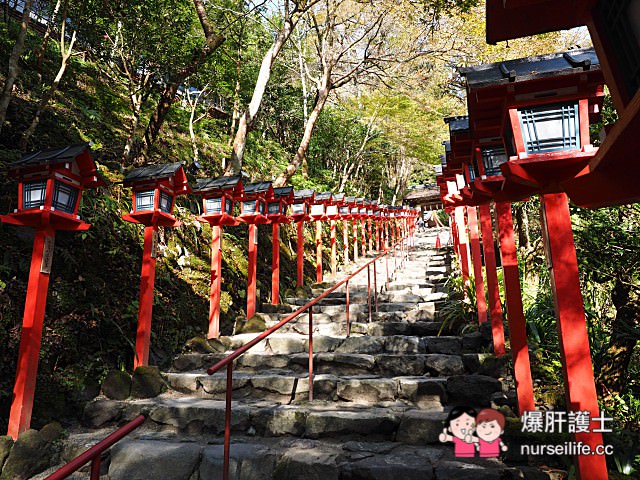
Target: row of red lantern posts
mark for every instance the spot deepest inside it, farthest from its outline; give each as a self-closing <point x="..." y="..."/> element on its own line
<point x="526" y="134"/>
<point x="50" y="185"/>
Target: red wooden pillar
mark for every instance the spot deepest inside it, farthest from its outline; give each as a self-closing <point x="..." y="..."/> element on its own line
<point x="345" y="240"/>
<point x="253" y="270"/>
<point x="31" y="337"/>
<point x="216" y="282"/>
<point x="300" y="255"/>
<point x="495" y="306"/>
<point x="334" y="248"/>
<point x="318" y="251"/>
<point x="147" y="280"/>
<point x="377" y="225"/>
<point x="579" y="384"/>
<point x="370" y="232"/>
<point x="463" y="245"/>
<point x="517" y="325"/>
<point x="363" y="238"/>
<point x="476" y="256"/>
<point x="275" y="264"/>
<point x="355" y="239"/>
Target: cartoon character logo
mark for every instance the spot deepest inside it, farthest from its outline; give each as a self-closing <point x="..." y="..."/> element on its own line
<point x="489" y="427"/>
<point x="459" y="427"/>
<point x="463" y="422"/>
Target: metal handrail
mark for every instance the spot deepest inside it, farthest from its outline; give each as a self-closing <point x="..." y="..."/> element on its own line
<point x="93" y="454"/>
<point x="228" y="360"/>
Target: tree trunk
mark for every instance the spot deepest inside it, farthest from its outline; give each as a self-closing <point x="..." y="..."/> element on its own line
<point x="285" y="176"/>
<point x="44" y="102"/>
<point x="14" y="63"/>
<point x="213" y="41"/>
<point x="612" y="377"/>
<point x="248" y="118"/>
<point x="47" y="34"/>
<point x="136" y="104"/>
<point x="522" y="226"/>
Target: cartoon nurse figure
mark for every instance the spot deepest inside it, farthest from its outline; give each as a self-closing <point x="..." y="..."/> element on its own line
<point x="459" y="427"/>
<point x="489" y="427"/>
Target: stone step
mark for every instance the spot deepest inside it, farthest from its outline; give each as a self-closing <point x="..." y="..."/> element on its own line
<point x="166" y="456"/>
<point x="344" y="364"/>
<point x="335" y="328"/>
<point x="420" y="392"/>
<point x="296" y="343"/>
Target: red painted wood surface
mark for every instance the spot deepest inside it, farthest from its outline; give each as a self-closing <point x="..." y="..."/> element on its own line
<point x="377" y="225"/>
<point x="493" y="289"/>
<point x="318" y="251"/>
<point x="275" y="265"/>
<point x="463" y="244"/>
<point x="145" y="310"/>
<point x="355" y="240"/>
<point x="345" y="240"/>
<point x="30" y="338"/>
<point x="334" y="249"/>
<point x="216" y="282"/>
<point x="253" y="270"/>
<point x="300" y="255"/>
<point x="580" y="389"/>
<point x="370" y="233"/>
<point x="476" y="256"/>
<point x="513" y="294"/>
<point x="363" y="238"/>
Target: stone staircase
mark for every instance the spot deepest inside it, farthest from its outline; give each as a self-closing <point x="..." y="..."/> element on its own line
<point x="380" y="395"/>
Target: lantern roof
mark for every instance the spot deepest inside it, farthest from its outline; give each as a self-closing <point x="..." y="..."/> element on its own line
<point x="360" y="200"/>
<point x="374" y="203"/>
<point x="350" y="200"/>
<point x="304" y="194"/>
<point x="285" y="193"/>
<point x="338" y="197"/>
<point x="323" y="197"/>
<point x="531" y="68"/>
<point x="457" y="124"/>
<point x="219" y="185"/>
<point x="152" y="172"/>
<point x="258" y="188"/>
<point x="80" y="153"/>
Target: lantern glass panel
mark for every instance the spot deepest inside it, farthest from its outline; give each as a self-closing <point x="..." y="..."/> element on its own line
<point x="249" y="207"/>
<point x="33" y="194"/>
<point x="550" y="128"/>
<point x="274" y="208"/>
<point x="332" y="209"/>
<point x="298" y="209"/>
<point x="317" y="209"/>
<point x="65" y="197"/>
<point x="166" y="201"/>
<point x="145" y="200"/>
<point x="213" y="205"/>
<point x="354" y="211"/>
<point x="344" y="210"/>
<point x="369" y="212"/>
<point x="228" y="206"/>
<point x="363" y="211"/>
<point x="492" y="158"/>
<point x="261" y="207"/>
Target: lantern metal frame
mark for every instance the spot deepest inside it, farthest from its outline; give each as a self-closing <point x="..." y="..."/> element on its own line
<point x="225" y="189"/>
<point x="257" y="193"/>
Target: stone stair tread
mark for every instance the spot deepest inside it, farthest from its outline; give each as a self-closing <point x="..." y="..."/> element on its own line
<point x="155" y="455"/>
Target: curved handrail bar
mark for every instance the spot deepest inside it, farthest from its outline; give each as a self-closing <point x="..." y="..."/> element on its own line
<point x="236" y="353"/>
<point x="93" y="454"/>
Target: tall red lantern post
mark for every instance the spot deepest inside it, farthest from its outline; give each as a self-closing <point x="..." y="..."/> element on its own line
<point x="254" y="212"/>
<point x="277" y="214"/>
<point x="371" y="217"/>
<point x="319" y="214"/>
<point x="546" y="103"/>
<point x="154" y="190"/>
<point x="363" y="212"/>
<point x="333" y="214"/>
<point x="218" y="202"/>
<point x="345" y="216"/>
<point x="50" y="185"/>
<point x="300" y="214"/>
<point x="355" y="216"/>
